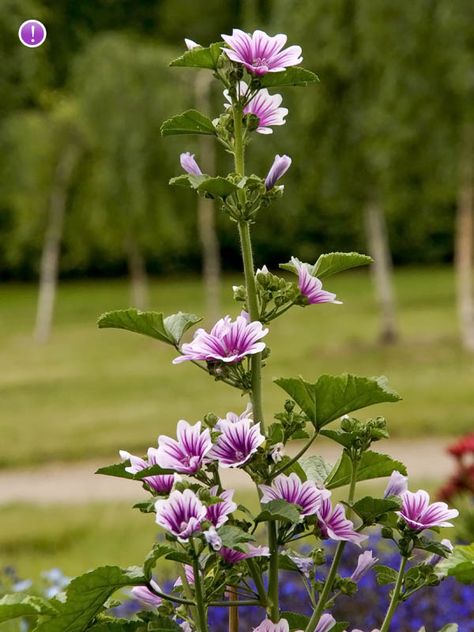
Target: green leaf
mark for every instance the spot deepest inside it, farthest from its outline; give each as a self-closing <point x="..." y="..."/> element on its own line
<point x="118" y="470"/>
<point x="189" y="122"/>
<point x="339" y="436"/>
<point x="460" y="564"/>
<point x="450" y="627"/>
<point x="372" y="465"/>
<point x="187" y="180"/>
<point x="153" y="324"/>
<point x="335" y="395"/>
<point x="437" y="548"/>
<point x="233" y="536"/>
<point x="158" y="551"/>
<point x="217" y="187"/>
<point x="334" y="262"/>
<point x="163" y="624"/>
<point x="148" y="506"/>
<point x="178" y="324"/>
<point x="117" y="625"/>
<point x="295" y="620"/>
<point x="371" y="509"/>
<point x="315" y="468"/>
<point x="385" y="574"/>
<point x="200" y="57"/>
<point x="278" y="510"/>
<point x="17" y="605"/>
<point x="86" y="595"/>
<point x="295" y="76"/>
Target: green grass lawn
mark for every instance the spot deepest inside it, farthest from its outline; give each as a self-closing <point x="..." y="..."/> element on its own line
<point x="89" y="392"/>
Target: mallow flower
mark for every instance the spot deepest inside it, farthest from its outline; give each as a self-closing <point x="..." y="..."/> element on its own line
<point x="417" y="512"/>
<point x="218" y="513"/>
<point x="333" y="523"/>
<point x="228" y="341"/>
<point x="397" y="484"/>
<point x="280" y="166"/>
<point x="189" y="164"/>
<point x="234" y="417"/>
<point x="181" y="514"/>
<point x="290" y="488"/>
<point x="310" y="286"/>
<point x="237" y="443"/>
<point x="326" y="622"/>
<point x="260" y="53"/>
<point x="233" y="556"/>
<point x="144" y="594"/>
<point x="186" y="453"/>
<point x="159" y="483"/>
<point x="265" y="106"/>
<point x="365" y="561"/>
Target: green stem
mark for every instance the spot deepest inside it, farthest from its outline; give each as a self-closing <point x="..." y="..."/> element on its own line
<point x="172" y="598"/>
<point x="295" y="458"/>
<point x="201" y="609"/>
<point x="274" y="608"/>
<point x="257" y="578"/>
<point x="395" y="597"/>
<point x="323" y="598"/>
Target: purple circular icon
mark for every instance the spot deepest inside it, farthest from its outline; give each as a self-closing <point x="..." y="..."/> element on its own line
<point x="32" y="33"/>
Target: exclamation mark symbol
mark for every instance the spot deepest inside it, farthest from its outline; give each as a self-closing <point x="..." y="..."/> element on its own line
<point x="32" y="33"/>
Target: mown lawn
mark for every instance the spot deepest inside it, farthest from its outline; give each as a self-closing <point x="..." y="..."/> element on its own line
<point x="89" y="392"/>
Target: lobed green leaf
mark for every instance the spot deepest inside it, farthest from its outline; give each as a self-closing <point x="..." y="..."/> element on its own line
<point x="315" y="468"/>
<point x="460" y="564"/>
<point x="278" y="510"/>
<point x="334" y="262"/>
<point x="371" y="509"/>
<point x="200" y="57"/>
<point x="295" y="620"/>
<point x="372" y="465"/>
<point x="217" y="187"/>
<point x="333" y="396"/>
<point x="17" y="605"/>
<point x="189" y="122"/>
<point x="295" y="76"/>
<point x="385" y="574"/>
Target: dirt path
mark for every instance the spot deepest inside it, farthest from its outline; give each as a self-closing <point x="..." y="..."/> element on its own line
<point x="76" y="483"/>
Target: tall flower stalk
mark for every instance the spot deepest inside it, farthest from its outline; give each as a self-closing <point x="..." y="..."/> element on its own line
<point x="217" y="542"/>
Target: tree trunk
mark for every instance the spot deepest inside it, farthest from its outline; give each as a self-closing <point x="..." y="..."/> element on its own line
<point x="211" y="264"/>
<point x="464" y="248"/>
<point x="382" y="271"/>
<point x="138" y="274"/>
<point x="49" y="265"/>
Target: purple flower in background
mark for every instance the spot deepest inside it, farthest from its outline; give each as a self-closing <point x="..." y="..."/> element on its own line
<point x="218" y="513"/>
<point x="260" y="53"/>
<point x="263" y="105"/>
<point x="144" y="594"/>
<point x="186" y="454"/>
<point x="160" y="483"/>
<point x="334" y="524"/>
<point x="228" y="341"/>
<point x="181" y="514"/>
<point x="237" y="443"/>
<point x="310" y="286"/>
<point x="233" y="556"/>
<point x="293" y="490"/>
<point x="190" y="44"/>
<point x="280" y="166"/>
<point x="397" y="484"/>
<point x="189" y="164"/>
<point x="419" y="514"/>
<point x="365" y="562"/>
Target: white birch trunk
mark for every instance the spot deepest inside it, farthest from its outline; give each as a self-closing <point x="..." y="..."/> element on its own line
<point x="464" y="247"/>
<point x="211" y="264"/>
<point x="382" y="271"/>
<point x="49" y="265"/>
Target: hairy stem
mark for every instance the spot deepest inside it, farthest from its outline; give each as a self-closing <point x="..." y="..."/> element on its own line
<point x="201" y="609"/>
<point x="395" y="600"/>
<point x="274" y="608"/>
<point x="257" y="578"/>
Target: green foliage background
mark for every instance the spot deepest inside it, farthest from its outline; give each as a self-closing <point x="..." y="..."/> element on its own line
<point x="385" y="122"/>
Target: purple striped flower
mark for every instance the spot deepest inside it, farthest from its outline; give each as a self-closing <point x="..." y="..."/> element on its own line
<point x="237" y="443"/>
<point x="268" y="626"/>
<point x="181" y="514"/>
<point x="218" y="513"/>
<point x="326" y="623"/>
<point x="310" y="286"/>
<point x="186" y="454"/>
<point x="228" y="341"/>
<point x="232" y="556"/>
<point x="260" y="53"/>
<point x="144" y="594"/>
<point x="334" y="524"/>
<point x="234" y="417"/>
<point x="189" y="164"/>
<point x="365" y="561"/>
<point x="293" y="490"/>
<point x="265" y="106"/>
<point x="189" y="573"/>
<point x="159" y="483"/>
<point x="280" y="166"/>
<point x="419" y="514"/>
<point x="397" y="484"/>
